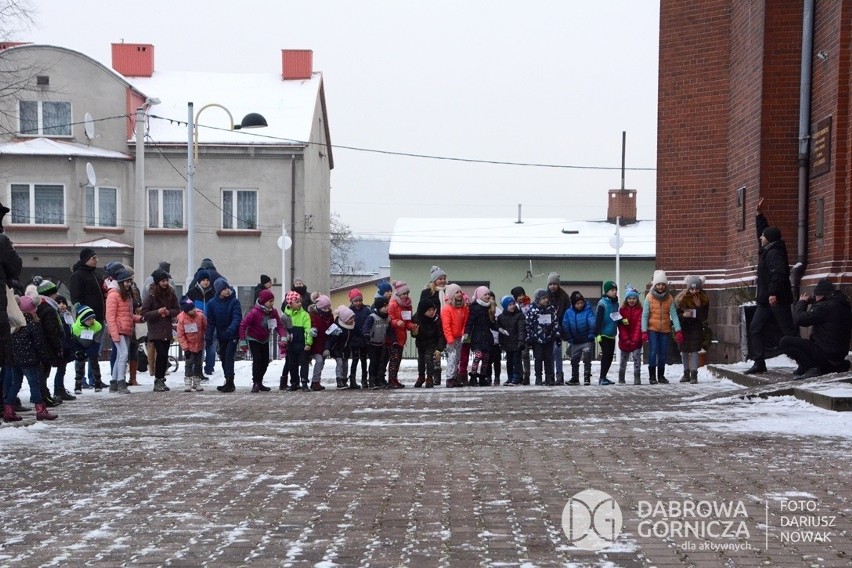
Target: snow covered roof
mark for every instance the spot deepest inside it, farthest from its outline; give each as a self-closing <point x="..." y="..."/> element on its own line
<point x="49" y="147"/>
<point x="504" y="237"/>
<point x="97" y="243"/>
<point x="288" y="106"/>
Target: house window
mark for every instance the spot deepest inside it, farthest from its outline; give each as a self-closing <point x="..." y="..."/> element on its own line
<point x="165" y="208"/>
<point x="239" y="209"/>
<point x="38" y="204"/>
<point x="45" y="118"/>
<point x="101" y="206"/>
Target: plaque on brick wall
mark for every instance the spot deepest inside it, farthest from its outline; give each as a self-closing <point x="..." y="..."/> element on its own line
<point x="821" y="147"/>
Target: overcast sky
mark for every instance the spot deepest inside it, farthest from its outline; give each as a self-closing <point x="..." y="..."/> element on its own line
<point x="543" y="82"/>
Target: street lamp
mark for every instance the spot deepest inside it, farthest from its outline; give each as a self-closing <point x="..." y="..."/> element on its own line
<point x="251" y="120"/>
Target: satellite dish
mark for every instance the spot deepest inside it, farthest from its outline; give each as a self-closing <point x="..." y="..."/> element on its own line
<point x="89" y="126"/>
<point x="90" y="174"/>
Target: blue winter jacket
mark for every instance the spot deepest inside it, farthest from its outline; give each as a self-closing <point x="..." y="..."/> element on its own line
<point x="579" y="327"/>
<point x="537" y="330"/>
<point x="223" y="318"/>
<point x="604" y="324"/>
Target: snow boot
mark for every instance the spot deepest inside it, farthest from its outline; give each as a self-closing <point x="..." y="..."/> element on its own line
<point x="228" y="386"/>
<point x="78" y="386"/>
<point x="587" y="378"/>
<point x="661" y="375"/>
<point x="693" y="377"/>
<point x="365" y="383"/>
<point x="759" y="366"/>
<point x="353" y="383"/>
<point x="196" y="384"/>
<point x="575" y="378"/>
<point x="317" y="387"/>
<point x="429" y="383"/>
<point x="159" y="385"/>
<point x="187" y="384"/>
<point x="652" y="375"/>
<point x="121" y="387"/>
<point x="637" y="380"/>
<point x="113" y="386"/>
<point x="260" y="385"/>
<point x="42" y="413"/>
<point x="341" y="383"/>
<point x="437" y="380"/>
<point x="255" y="386"/>
<point x="9" y="413"/>
<point x="538" y="381"/>
<point x="63" y="395"/>
<point x="621" y="376"/>
<point x="420" y="382"/>
<point x="133" y="365"/>
<point x="685" y="377"/>
<point x="560" y="379"/>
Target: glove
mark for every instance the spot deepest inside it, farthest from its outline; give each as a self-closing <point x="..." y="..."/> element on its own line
<point x="243" y="345"/>
<point x="624" y="321"/>
<point x="313" y="332"/>
<point x="679" y="337"/>
<point x="597" y="339"/>
<point x="503" y="331"/>
<point x="466" y="338"/>
<point x="326" y="354"/>
<point x="644" y="337"/>
<point x="80" y="355"/>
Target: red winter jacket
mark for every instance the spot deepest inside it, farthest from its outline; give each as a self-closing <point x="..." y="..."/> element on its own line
<point x="630" y="335"/>
<point x="192" y="341"/>
<point x="398" y="324"/>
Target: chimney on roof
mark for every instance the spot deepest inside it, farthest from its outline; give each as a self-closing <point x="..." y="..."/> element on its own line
<point x="8" y="44"/>
<point x="133" y="59"/>
<point x="622" y="203"/>
<point x="297" y="64"/>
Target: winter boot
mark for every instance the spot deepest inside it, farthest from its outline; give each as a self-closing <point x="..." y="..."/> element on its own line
<point x="429" y="383"/>
<point x="113" y="386"/>
<point x="560" y="377"/>
<point x="341" y="383"/>
<point x="621" y="376"/>
<point x="260" y="385"/>
<point x="587" y="378"/>
<point x="99" y="385"/>
<point x="652" y="375"/>
<point x="317" y="387"/>
<point x="395" y="384"/>
<point x="605" y="381"/>
<point x="78" y="386"/>
<point x="484" y="381"/>
<point x="437" y="380"/>
<point x="661" y="375"/>
<point x="255" y="386"/>
<point x="9" y="413"/>
<point x="228" y="386"/>
<point x="758" y="367"/>
<point x="122" y="387"/>
<point x="196" y="384"/>
<point x="353" y="383"/>
<point x="685" y="377"/>
<point x="636" y="378"/>
<point x="133" y="365"/>
<point x="42" y="412"/>
<point x="419" y="383"/>
<point x="187" y="384"/>
<point x="538" y="381"/>
<point x="63" y="395"/>
<point x="575" y="377"/>
<point x="693" y="377"/>
<point x="159" y="385"/>
<point x="365" y="383"/>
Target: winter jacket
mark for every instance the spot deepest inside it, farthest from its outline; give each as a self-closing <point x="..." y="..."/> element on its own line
<point x="773" y="269"/>
<point x="10" y="271"/>
<point x="541" y="324"/>
<point x="659" y="313"/>
<point x="320" y="321"/>
<point x="604" y="324"/>
<point x="88" y="338"/>
<point x="453" y="321"/>
<point x="400" y="323"/>
<point x="559" y="300"/>
<point x="86" y="287"/>
<point x="191" y="331"/>
<point x="478" y="328"/>
<point x="29" y="348"/>
<point x="514" y="324"/>
<point x="832" y="323"/>
<point x="207" y="265"/>
<point x="579" y="326"/>
<point x="223" y="318"/>
<point x="630" y="333"/>
<point x="339" y="344"/>
<point x="376" y="329"/>
<point x="361" y="314"/>
<point x="52" y="329"/>
<point x="433" y="296"/>
<point x="692" y="327"/>
<point x="430" y="336"/>
<point x="160" y="327"/>
<point x="300" y="323"/>
<point x="255" y="324"/>
<point x="119" y="315"/>
<point x="201" y="296"/>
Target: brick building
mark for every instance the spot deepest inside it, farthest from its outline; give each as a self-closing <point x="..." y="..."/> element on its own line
<point x="733" y="127"/>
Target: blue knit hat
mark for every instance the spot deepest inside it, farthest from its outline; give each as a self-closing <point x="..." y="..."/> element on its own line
<point x="220" y="285"/>
<point x="631" y="292"/>
<point x="384" y="287"/>
<point x="84" y="312"/>
<point x="505" y="301"/>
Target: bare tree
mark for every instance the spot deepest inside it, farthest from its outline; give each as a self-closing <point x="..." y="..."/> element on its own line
<point x="342" y="247"/>
<point x="16" y="76"/>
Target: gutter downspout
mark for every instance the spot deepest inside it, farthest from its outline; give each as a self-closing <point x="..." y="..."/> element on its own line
<point x="292" y="220"/>
<point x="804" y="145"/>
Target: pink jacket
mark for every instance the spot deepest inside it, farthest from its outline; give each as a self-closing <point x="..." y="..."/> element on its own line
<point x="192" y="341"/>
<point x="255" y="324"/>
<point x="397" y="324"/>
<point x="119" y="315"/>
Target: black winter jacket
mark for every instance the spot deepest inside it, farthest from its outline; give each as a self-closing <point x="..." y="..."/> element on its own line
<point x="479" y="326"/>
<point x="773" y="269"/>
<point x="86" y="286"/>
<point x="430" y="336"/>
<point x="515" y="324"/>
<point x="832" y="323"/>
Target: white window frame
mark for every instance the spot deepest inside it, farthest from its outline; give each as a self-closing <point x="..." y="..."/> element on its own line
<point x="97" y="213"/>
<point x="31" y="214"/>
<point x="234" y="218"/>
<point x="159" y="221"/>
<point x="41" y="126"/>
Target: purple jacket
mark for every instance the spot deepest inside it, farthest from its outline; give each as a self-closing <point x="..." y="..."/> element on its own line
<point x="255" y="324"/>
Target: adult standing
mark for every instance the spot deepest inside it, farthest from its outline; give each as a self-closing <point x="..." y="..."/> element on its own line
<point x="159" y="308"/>
<point x="830" y="315"/>
<point x="302" y="288"/>
<point x="774" y="296"/>
<point x="560" y="300"/>
<point x="10" y="271"/>
<point x="265" y="283"/>
<point x="86" y="286"/>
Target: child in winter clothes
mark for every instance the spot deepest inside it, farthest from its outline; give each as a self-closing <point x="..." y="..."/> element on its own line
<point x="478" y="330"/>
<point x="358" y="345"/>
<point x="66" y="320"/>
<point x="494" y="364"/>
<point x="48" y="315"/>
<point x="224" y="315"/>
<point x="659" y="314"/>
<point x="578" y="324"/>
<point x="454" y="316"/>
<point x="430" y="343"/>
<point x="121" y="321"/>
<point x="378" y="342"/>
<point x="607" y="328"/>
<point x="29" y="351"/>
<point x="630" y="335"/>
<point x="512" y="331"/>
<point x="693" y="307"/>
<point x="542" y="329"/>
<point x="522" y="301"/>
<point x="338" y="341"/>
<point x="321" y="319"/>
<point x="400" y="320"/>
<point x="300" y="341"/>
<point x="191" y="331"/>
<point x="87" y="332"/>
<point x="254" y="335"/>
<point x="159" y="308"/>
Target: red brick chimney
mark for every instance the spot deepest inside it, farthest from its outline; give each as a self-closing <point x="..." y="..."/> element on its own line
<point x="297" y="63"/>
<point x="133" y="59"/>
<point x="8" y="44"/>
<point x="622" y="203"/>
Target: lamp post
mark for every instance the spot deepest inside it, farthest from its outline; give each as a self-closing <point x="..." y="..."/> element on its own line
<point x="251" y="120"/>
<point x="139" y="229"/>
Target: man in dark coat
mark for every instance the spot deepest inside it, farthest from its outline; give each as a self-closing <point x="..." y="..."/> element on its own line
<point x="10" y="271"/>
<point x="774" y="296"/>
<point x="830" y="314"/>
<point x="86" y="285"/>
